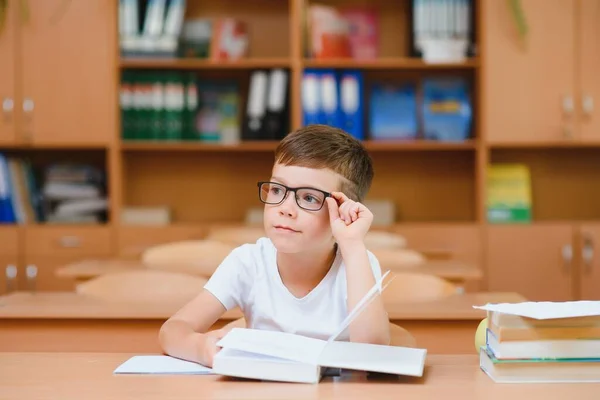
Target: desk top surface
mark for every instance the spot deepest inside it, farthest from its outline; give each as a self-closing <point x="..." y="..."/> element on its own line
<point x="90" y="376"/>
<point x="70" y="305"/>
<point x="88" y="269"/>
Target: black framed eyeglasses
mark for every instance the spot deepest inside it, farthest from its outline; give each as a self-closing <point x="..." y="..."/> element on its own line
<point x="307" y="198"/>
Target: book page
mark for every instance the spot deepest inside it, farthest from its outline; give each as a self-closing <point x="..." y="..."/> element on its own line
<point x="159" y="364"/>
<point x="546" y="309"/>
<point x="275" y="344"/>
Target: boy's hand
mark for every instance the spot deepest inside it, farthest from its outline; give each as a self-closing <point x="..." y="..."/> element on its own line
<point x="350" y="221"/>
<point x="210" y="347"/>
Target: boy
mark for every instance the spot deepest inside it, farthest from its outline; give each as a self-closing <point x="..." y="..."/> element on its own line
<point x="311" y="269"/>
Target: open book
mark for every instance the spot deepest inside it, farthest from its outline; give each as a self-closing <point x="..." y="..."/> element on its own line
<point x="279" y="356"/>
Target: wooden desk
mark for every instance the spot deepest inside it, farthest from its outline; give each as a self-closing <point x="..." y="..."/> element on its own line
<point x="452" y="270"/>
<point x="90" y="376"/>
<point x="72" y="322"/>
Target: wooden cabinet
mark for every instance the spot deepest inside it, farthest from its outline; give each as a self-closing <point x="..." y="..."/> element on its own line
<point x="63" y="91"/>
<point x="544" y="261"/>
<point x="7" y="75"/>
<point x="529" y="83"/>
<point x="68" y="78"/>
<point x="544" y="87"/>
<point x="589" y="66"/>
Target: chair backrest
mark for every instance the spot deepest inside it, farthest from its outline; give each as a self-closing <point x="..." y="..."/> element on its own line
<point x="195" y="257"/>
<point x="398" y="258"/>
<point x="375" y="239"/>
<point x="401" y="337"/>
<point x="143" y="286"/>
<point x="236" y="235"/>
<point x="415" y="287"/>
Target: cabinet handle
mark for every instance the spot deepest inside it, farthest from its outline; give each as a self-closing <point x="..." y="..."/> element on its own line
<point x="31" y="272"/>
<point x="587" y="252"/>
<point x="567" y="255"/>
<point x="70" y="241"/>
<point x="587" y="105"/>
<point x="8" y="105"/>
<point x="28" y="106"/>
<point x="568" y="105"/>
<point x="11" y="276"/>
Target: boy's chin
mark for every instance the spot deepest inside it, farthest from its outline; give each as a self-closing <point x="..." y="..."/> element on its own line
<point x="287" y="245"/>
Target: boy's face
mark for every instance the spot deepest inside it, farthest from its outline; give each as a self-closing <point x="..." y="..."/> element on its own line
<point x="291" y="228"/>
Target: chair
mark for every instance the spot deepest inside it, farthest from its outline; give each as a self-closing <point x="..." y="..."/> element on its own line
<point x="384" y="240"/>
<point x="236" y="235"/>
<point x="144" y="287"/>
<point x="195" y="257"/>
<point x="409" y="287"/>
<point x="394" y="259"/>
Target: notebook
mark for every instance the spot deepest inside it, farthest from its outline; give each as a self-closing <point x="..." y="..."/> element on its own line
<point x="160" y="364"/>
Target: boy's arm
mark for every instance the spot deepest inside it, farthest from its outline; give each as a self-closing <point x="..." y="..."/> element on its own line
<point x="372" y="324"/>
<point x="185" y="336"/>
<point x="350" y="221"/>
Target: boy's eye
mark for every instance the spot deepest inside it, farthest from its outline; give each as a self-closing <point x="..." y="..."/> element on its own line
<point x="310" y="198"/>
<point x="275" y="190"/>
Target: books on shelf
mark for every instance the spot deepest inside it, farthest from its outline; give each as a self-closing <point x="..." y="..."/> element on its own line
<point x="542" y="342"/>
<point x="509" y="198"/>
<point x="179" y="106"/>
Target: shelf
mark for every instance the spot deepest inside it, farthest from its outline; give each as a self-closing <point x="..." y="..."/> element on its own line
<point x="54" y="146"/>
<point x="417" y="145"/>
<point x="558" y="144"/>
<point x="250" y="146"/>
<point x="270" y="145"/>
<point x="192" y="64"/>
<point x="388" y="63"/>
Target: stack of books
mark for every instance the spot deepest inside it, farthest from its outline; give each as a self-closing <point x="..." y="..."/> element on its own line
<point x="542" y="342"/>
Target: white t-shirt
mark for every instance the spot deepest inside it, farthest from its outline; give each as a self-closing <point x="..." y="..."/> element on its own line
<point x="249" y="278"/>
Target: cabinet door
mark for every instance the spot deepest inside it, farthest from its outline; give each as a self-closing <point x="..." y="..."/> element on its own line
<point x="529" y="83"/>
<point x="44" y="279"/>
<point x="69" y="72"/>
<point x="7" y="75"/>
<point x="589" y="67"/>
<point x="8" y="268"/>
<point x="590" y="262"/>
<point x="534" y="260"/>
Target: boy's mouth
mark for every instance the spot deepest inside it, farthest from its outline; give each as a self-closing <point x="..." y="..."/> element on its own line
<point x="285" y="228"/>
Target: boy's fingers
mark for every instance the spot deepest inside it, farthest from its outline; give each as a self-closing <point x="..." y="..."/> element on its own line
<point x="334" y="212"/>
<point x="341" y="197"/>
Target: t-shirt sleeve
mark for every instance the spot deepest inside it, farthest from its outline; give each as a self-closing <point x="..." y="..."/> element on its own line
<point x="230" y="282"/>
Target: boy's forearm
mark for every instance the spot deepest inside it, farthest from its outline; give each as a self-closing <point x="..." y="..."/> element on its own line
<point x="372" y="325"/>
<point x="179" y="340"/>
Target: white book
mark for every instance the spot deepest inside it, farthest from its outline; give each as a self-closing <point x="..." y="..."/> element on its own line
<point x="160" y="364"/>
<point x="287" y="357"/>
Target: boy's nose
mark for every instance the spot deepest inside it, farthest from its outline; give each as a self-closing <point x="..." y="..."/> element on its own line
<point x="288" y="206"/>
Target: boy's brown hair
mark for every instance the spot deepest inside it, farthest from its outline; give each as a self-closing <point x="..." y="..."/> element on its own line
<point x="322" y="146"/>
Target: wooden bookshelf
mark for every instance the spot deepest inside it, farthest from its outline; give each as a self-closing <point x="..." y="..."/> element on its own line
<point x="396" y="63"/>
<point x="531" y="102"/>
<point x="270" y="145"/>
<point x="199" y="64"/>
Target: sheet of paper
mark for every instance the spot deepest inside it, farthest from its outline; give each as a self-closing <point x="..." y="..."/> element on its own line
<point x="372" y="294"/>
<point x="546" y="309"/>
<point x="275" y="344"/>
<point x="159" y="364"/>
